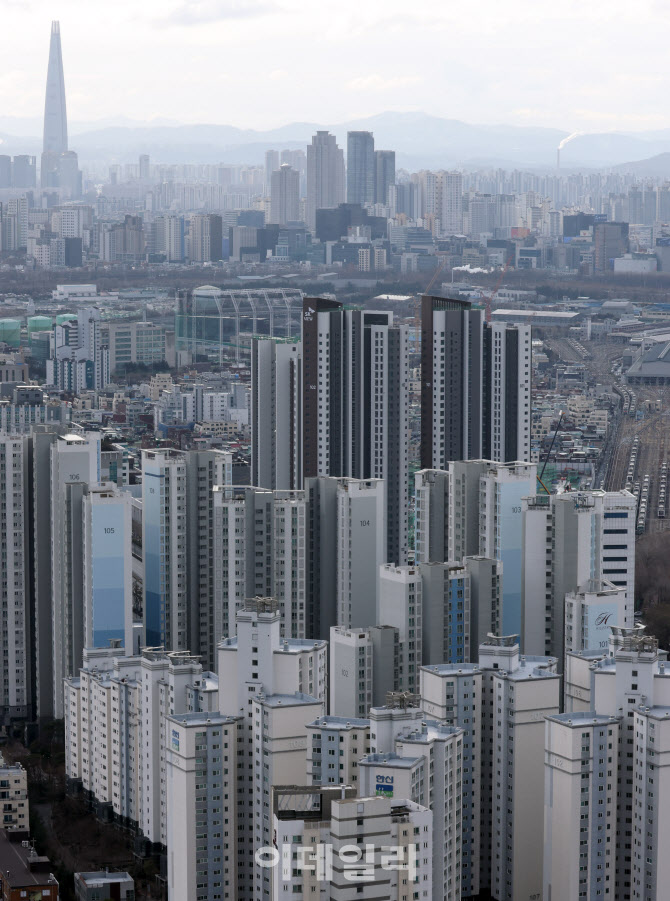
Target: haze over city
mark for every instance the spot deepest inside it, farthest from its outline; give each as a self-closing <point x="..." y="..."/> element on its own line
<point x="263" y="63"/>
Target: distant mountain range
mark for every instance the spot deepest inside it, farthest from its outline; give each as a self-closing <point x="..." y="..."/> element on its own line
<point x="420" y="141"/>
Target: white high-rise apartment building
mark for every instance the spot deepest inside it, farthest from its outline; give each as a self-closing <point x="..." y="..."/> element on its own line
<point x="15" y="587"/>
<point x="400" y="605"/>
<point x="326" y="182"/>
<point x="629" y="683"/>
<point x="475" y="388"/>
<point x="507" y="419"/>
<point x="180" y="608"/>
<point x="164" y="539"/>
<point x="569" y="539"/>
<point x="276" y="686"/>
<point x="79" y="361"/>
<point x="201" y="795"/>
<point x="116" y="741"/>
<point x="581" y="778"/>
<point x="474" y="509"/>
<point x="355" y="405"/>
<point x="500" y="704"/>
<point x="335" y="744"/>
<point x="449" y="189"/>
<point x="285" y="195"/>
<point x="74" y="465"/>
<point x="276" y="438"/>
<point x="590" y="613"/>
<point x="361" y="549"/>
<point x="107" y="568"/>
<point x="426" y="766"/>
<point x="260" y="550"/>
<point x="364" y="666"/>
<point x="384" y="834"/>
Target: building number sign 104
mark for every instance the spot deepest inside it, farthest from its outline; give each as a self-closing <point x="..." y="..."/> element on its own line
<point x="365" y="522"/>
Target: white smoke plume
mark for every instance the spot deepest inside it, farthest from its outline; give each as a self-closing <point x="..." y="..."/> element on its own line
<point x="569" y="138"/>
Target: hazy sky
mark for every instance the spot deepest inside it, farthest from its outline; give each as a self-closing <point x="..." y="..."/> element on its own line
<point x="260" y="63"/>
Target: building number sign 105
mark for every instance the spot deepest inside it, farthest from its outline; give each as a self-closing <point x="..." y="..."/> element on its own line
<point x="109" y="530"/>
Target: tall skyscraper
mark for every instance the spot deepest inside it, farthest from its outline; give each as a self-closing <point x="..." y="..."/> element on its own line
<point x="206" y="238"/>
<point x="355" y="404"/>
<point x="59" y="166"/>
<point x="284" y="195"/>
<point x="475" y="388"/>
<point x="360" y="167"/>
<point x="451" y="381"/>
<point x="325" y="176"/>
<point x="271" y="165"/>
<point x="55" y="113"/>
<point x="384" y="174"/>
<point x="450" y="202"/>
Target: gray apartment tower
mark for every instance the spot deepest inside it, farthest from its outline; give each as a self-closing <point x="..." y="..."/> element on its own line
<point x="355" y="404"/>
<point x="325" y="176"/>
<point x="360" y="167"/>
<point x="475" y="385"/>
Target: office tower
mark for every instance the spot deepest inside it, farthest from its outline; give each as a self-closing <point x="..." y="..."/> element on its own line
<point x="325" y="176"/>
<point x="355" y="404"/>
<point x="285" y="195"/>
<point x="400" y="606"/>
<point x="107" y="568"/>
<point x="507" y="387"/>
<point x="384" y="174"/>
<point x="590" y="613"/>
<point x="55" y="114"/>
<point x="569" y="539"/>
<point x="276" y="374"/>
<point x="449" y="193"/>
<point x="425" y="766"/>
<point x="144" y="167"/>
<point x="24" y="171"/>
<point x="451" y="381"/>
<point x="74" y="463"/>
<point x="475" y="386"/>
<point x="16" y="584"/>
<point x="271" y="165"/>
<point x="282" y="684"/>
<point x="503" y="760"/>
<point x="360" y="167"/>
<point x="347" y="827"/>
<point x="206" y="238"/>
<point x="202" y="767"/>
<point x="581" y="777"/>
<point x="79" y="360"/>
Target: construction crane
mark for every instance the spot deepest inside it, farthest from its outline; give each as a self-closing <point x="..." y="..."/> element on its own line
<point x="551" y="447"/>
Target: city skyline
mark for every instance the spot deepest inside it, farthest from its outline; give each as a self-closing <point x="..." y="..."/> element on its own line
<point x="478" y="80"/>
